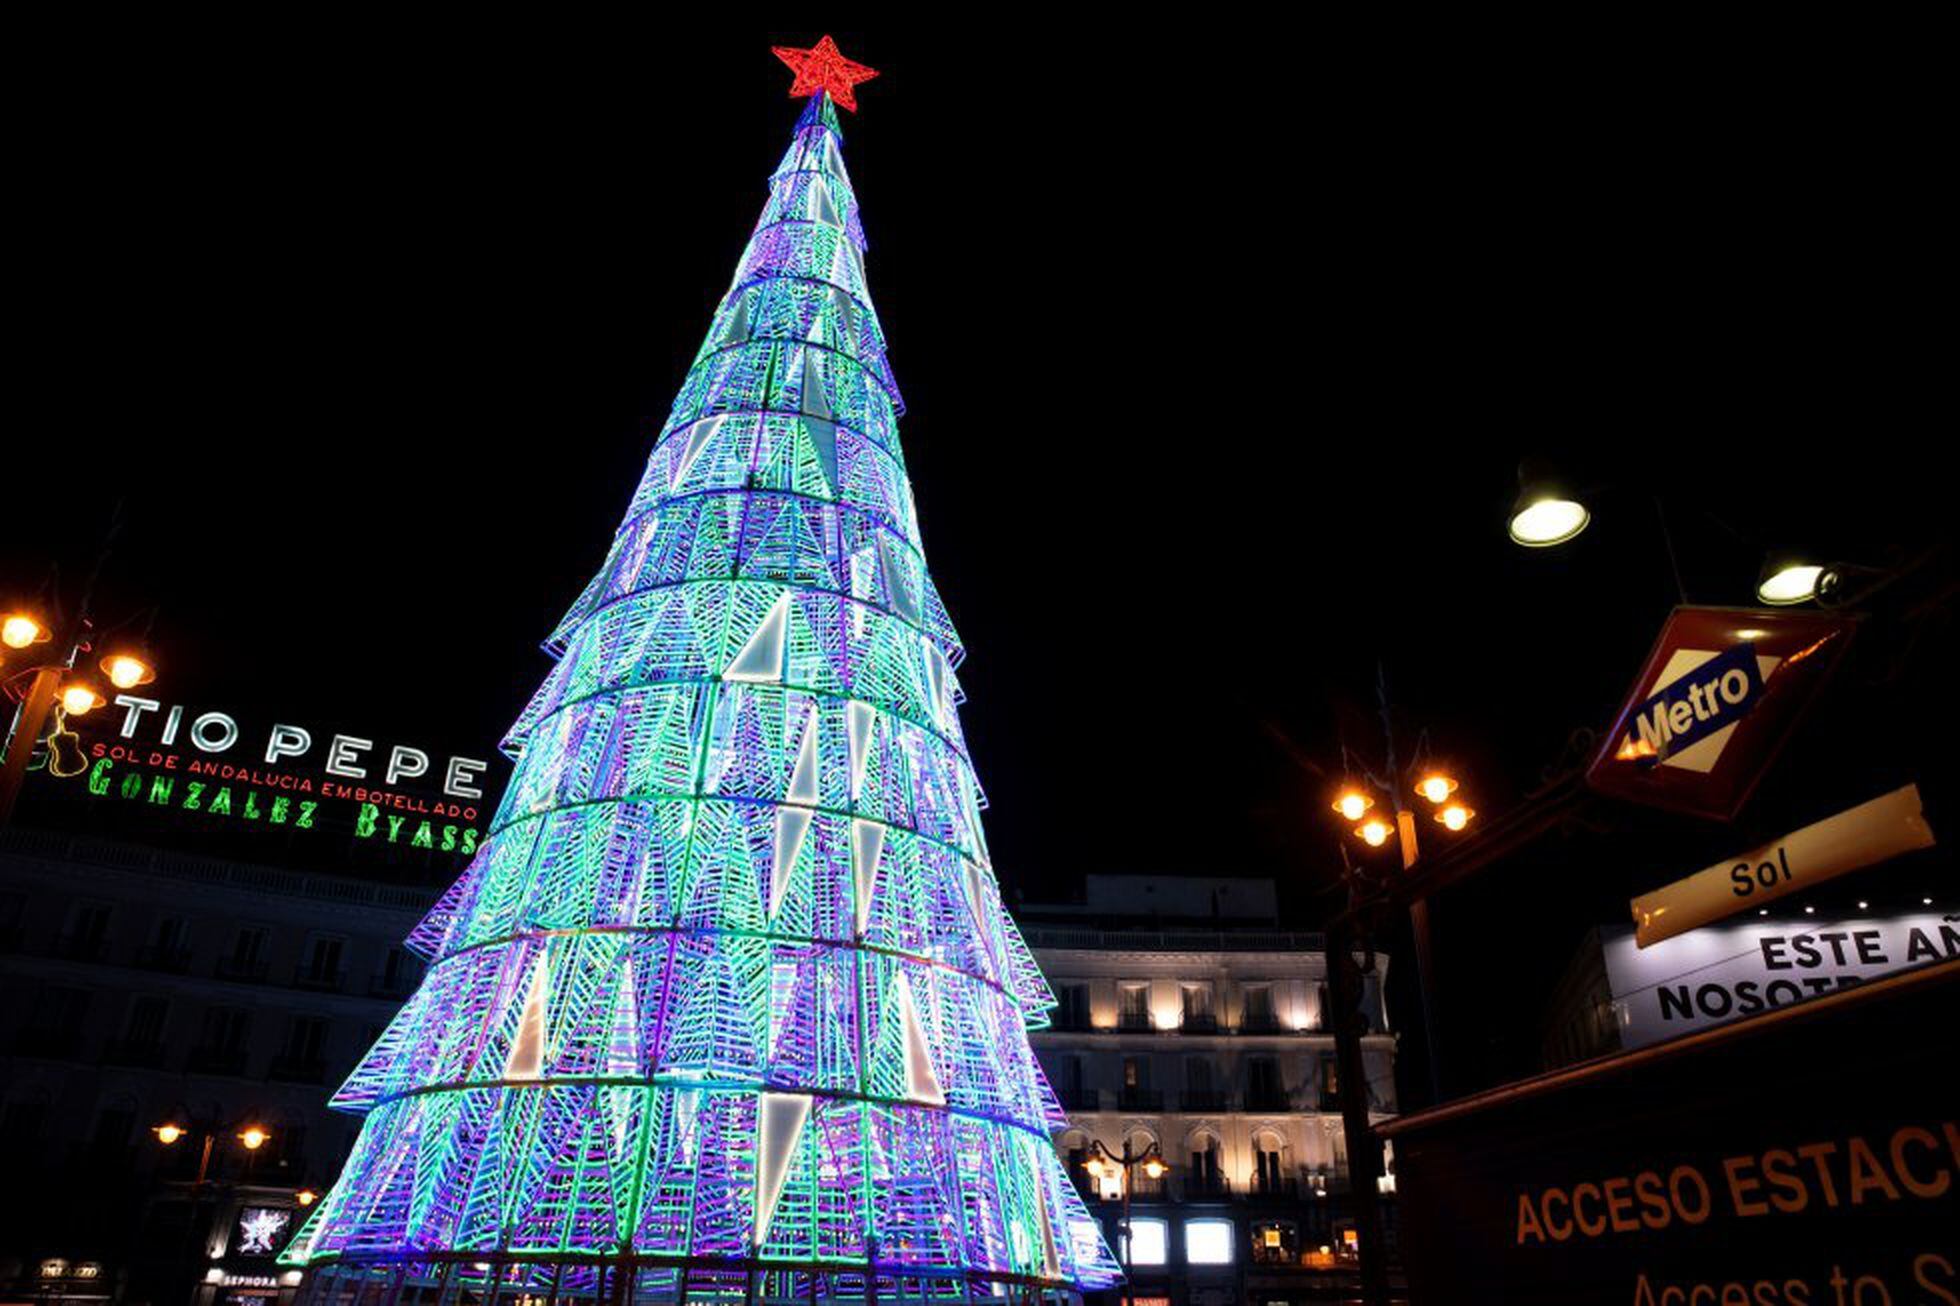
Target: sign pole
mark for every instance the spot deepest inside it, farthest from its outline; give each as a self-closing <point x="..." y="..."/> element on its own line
<point x="28" y="721"/>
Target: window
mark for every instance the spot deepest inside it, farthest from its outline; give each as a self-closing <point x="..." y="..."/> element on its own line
<point x="225" y="1029"/>
<point x="144" y="1028"/>
<point x="1208" y="1242"/>
<point x="1150" y="1242"/>
<point x="1204" y="1175"/>
<point x="61" y="1009"/>
<point x="397" y="973"/>
<point x="1330" y="1082"/>
<point x="1136" y="1073"/>
<point x="1073" y="1000"/>
<point x="305" y="1037"/>
<point x="1134" y="1005"/>
<point x="1197" y="1075"/>
<point x="1264" y="1090"/>
<point x="323" y="962"/>
<point x="113" y="1123"/>
<point x="247" y="957"/>
<point x="1197" y="1006"/>
<point x="88" y="927"/>
<point x="1266" y="1171"/>
<point x="1276" y="1242"/>
<point x="1259" y="1007"/>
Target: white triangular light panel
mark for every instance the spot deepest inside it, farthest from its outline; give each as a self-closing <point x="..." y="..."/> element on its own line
<point x="1050" y="1263"/>
<point x="793" y="823"/>
<point x="897" y="593"/>
<point x="697" y="439"/>
<point x="782" y="1117"/>
<point x="821" y="208"/>
<point x="792" y="828"/>
<point x="816" y="403"/>
<point x="921" y="1084"/>
<point x="858" y="720"/>
<point x="526" y="1059"/>
<point x="803" y="780"/>
<point x="976" y="901"/>
<point x="761" y="659"/>
<point x="867" y="847"/>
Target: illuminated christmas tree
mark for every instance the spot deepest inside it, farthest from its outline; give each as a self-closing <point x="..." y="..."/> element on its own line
<point x="728" y="1005"/>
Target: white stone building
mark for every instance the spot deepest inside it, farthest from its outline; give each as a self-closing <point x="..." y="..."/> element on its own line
<point x="1188" y="1021"/>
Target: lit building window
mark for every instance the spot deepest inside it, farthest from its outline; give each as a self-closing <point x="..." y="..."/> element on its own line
<point x="1208" y="1242"/>
<point x="1150" y="1242"/>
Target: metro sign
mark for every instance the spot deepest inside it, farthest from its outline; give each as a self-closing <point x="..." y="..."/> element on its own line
<point x="1717" y="698"/>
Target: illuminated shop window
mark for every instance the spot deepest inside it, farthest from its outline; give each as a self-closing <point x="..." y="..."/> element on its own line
<point x="1208" y="1242"/>
<point x="1150" y="1242"/>
<point x="1276" y="1242"/>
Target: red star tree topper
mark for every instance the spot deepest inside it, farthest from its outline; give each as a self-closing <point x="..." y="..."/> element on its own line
<point x="823" y="69"/>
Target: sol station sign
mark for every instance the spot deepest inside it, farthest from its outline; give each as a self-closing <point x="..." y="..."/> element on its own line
<point x="1717" y="698"/>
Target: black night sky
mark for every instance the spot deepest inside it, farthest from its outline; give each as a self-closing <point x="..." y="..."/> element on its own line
<point x="1220" y="352"/>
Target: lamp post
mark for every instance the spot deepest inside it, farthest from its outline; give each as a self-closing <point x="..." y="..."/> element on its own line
<point x="250" y="1136"/>
<point x="1392" y="794"/>
<point x="1103" y="1163"/>
<point x="38" y="660"/>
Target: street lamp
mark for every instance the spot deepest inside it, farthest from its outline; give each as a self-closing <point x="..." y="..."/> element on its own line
<point x="129" y="667"/>
<point x="21" y="629"/>
<point x="45" y="681"/>
<point x="1790" y="578"/>
<point x="1105" y="1164"/>
<point x="1434" y="788"/>
<point x="1545" y="512"/>
<point x="173" y="1131"/>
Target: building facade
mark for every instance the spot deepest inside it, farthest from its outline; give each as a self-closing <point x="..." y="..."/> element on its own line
<point x="1189" y="1023"/>
<point x="141" y="989"/>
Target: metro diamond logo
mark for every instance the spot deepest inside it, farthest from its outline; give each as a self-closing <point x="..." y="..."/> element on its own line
<point x="1719" y="694"/>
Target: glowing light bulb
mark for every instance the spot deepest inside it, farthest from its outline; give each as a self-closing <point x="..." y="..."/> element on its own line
<point x="1796" y="583"/>
<point x="253" y="1137"/>
<point x="1352" y="803"/>
<point x="306" y="1197"/>
<point x="1154" y="1168"/>
<point x="168" y="1134"/>
<point x="79" y="700"/>
<point x="19" y="630"/>
<point x="1436" y="787"/>
<point x="1455" y="817"/>
<point x="1547" y="522"/>
<point x="126" y="671"/>
<point x="1375" y="833"/>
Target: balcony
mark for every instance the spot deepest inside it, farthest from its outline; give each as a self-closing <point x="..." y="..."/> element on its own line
<point x="1269" y="1100"/>
<point x="215" y="1061"/>
<point x="1135" y="1022"/>
<point x="161" y="957"/>
<point x="1265" y="1023"/>
<point x="319" y="981"/>
<point x="392" y="987"/>
<point x="1202" y="1187"/>
<point x="1080" y="1099"/>
<point x="1199" y="1022"/>
<point x="297" y="1070"/>
<point x="59" y="1043"/>
<point x="248" y="970"/>
<point x="1204" y="1099"/>
<point x="140" y="1052"/>
<point x="1139" y="1099"/>
<point x="78" y="947"/>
